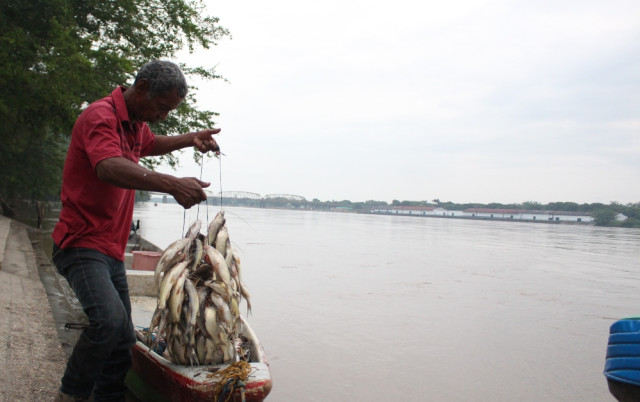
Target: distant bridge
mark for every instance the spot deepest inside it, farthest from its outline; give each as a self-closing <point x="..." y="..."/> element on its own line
<point x="238" y="195"/>
<point x="245" y="195"/>
<point x="286" y="196"/>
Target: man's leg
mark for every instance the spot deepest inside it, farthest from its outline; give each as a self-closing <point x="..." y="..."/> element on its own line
<point x="110" y="384"/>
<point x="89" y="274"/>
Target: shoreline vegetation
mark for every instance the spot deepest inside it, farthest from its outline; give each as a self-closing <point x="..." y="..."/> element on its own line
<point x="609" y="215"/>
<point x="612" y="215"/>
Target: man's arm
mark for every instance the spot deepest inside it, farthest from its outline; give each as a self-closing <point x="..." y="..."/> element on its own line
<point x="121" y="172"/>
<point x="203" y="140"/>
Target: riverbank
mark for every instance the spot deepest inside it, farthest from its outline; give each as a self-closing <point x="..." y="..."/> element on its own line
<point x="32" y="357"/>
<point x="38" y="306"/>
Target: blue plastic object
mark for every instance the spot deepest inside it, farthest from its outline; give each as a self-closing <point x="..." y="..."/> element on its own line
<point x="623" y="351"/>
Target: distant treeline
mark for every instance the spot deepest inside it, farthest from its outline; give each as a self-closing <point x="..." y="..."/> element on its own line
<point x="603" y="214"/>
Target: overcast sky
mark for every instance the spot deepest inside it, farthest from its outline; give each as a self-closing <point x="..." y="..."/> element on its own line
<point x="464" y="101"/>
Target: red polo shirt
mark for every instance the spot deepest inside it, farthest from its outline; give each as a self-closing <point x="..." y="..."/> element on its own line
<point x="96" y="214"/>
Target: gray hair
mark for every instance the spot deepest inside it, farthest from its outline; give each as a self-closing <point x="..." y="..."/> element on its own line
<point x="163" y="76"/>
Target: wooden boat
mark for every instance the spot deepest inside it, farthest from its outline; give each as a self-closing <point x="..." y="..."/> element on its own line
<point x="154" y="378"/>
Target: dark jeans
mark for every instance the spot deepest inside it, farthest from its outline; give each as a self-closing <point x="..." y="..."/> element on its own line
<point x="102" y="355"/>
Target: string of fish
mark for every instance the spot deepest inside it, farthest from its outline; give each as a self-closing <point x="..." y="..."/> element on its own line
<point x="200" y="288"/>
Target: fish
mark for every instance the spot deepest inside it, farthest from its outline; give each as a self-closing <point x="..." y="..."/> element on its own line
<point x="228" y="254"/>
<point x="200" y="349"/>
<point x="235" y="309"/>
<point x="219" y="265"/>
<point x="155" y="322"/>
<point x="214" y="227"/>
<point x="194" y="302"/>
<point x="211" y="323"/>
<point x="203" y="273"/>
<point x="194" y="230"/>
<point x="223" y="312"/>
<point x="228" y="351"/>
<point x="176" y="297"/>
<point x="210" y="351"/>
<point x="221" y="241"/>
<point x="233" y="271"/>
<point x="196" y="256"/>
<point x="199" y="292"/>
<point x="246" y="296"/>
<point x="164" y="290"/>
<point x="173" y="254"/>
<point x="238" y="266"/>
<point x="220" y="289"/>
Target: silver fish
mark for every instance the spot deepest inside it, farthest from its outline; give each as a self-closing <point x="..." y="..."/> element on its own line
<point x="228" y="254"/>
<point x="235" y="309"/>
<point x="196" y="256"/>
<point x="167" y="283"/>
<point x="211" y="323"/>
<point x="170" y="257"/>
<point x="215" y="226"/>
<point x="223" y="312"/>
<point x="194" y="229"/>
<point x="200" y="348"/>
<point x="194" y="302"/>
<point x="221" y="240"/>
<point x="220" y="289"/>
<point x="247" y="297"/>
<point x="219" y="265"/>
<point x="176" y="297"/>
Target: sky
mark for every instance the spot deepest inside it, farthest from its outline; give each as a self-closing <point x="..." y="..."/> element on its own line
<point x="462" y="101"/>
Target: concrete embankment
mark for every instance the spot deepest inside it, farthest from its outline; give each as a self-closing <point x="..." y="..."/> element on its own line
<point x="32" y="359"/>
<point x="37" y="304"/>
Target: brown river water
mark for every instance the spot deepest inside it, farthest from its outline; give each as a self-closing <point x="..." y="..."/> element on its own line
<point x="388" y="308"/>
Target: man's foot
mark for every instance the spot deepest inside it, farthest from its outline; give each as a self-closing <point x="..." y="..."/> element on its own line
<point x="62" y="397"/>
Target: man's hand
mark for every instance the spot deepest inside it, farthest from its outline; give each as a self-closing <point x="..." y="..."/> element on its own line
<point x="121" y="172"/>
<point x="188" y="191"/>
<point x="204" y="141"/>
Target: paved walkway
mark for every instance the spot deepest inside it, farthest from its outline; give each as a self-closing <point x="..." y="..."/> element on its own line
<point x="32" y="360"/>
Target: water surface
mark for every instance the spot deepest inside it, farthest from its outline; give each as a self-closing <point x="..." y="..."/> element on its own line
<point x="387" y="308"/>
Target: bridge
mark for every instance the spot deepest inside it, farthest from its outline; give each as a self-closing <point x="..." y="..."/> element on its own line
<point x="236" y="195"/>
<point x="285" y="196"/>
<point x="242" y="195"/>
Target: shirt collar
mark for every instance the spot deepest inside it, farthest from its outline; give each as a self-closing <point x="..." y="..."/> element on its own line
<point x="121" y="106"/>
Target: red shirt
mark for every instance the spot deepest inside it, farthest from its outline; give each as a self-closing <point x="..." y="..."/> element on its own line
<point x="96" y="214"/>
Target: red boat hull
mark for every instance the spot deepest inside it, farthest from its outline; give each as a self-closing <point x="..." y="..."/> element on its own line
<point x="153" y="378"/>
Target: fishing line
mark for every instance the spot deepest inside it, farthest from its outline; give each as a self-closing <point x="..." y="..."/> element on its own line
<point x="220" y="179"/>
<point x="184" y="218"/>
<point x="206" y="200"/>
<point x="201" y="164"/>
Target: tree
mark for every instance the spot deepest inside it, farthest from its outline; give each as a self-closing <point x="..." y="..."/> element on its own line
<point x="56" y="56"/>
<point x="604" y="216"/>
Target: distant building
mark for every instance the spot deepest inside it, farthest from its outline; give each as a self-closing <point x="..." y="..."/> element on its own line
<point x="530" y="215"/>
<point x="621" y="217"/>
<point x="489" y="213"/>
<point x="431" y="211"/>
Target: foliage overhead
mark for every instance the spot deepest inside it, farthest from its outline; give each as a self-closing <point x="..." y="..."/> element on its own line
<point x="56" y="56"/>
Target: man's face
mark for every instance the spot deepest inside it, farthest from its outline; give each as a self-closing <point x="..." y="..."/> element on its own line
<point x="158" y="108"/>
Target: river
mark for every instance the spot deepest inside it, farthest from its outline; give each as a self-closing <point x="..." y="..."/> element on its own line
<point x="387" y="308"/>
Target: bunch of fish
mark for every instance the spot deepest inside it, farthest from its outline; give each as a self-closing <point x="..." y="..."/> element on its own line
<point x="200" y="289"/>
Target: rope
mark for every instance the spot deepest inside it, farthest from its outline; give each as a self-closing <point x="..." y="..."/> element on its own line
<point x="229" y="380"/>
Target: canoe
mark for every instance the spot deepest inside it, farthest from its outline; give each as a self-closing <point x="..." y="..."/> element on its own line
<point x="154" y="378"/>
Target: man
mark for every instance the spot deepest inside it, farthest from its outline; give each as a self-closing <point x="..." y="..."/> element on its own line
<point x="100" y="176"/>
